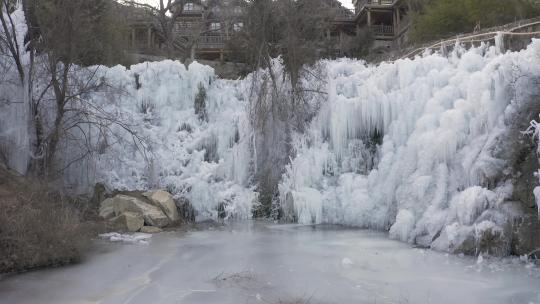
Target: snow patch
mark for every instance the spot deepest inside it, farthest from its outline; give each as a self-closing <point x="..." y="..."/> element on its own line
<point x="137" y="238"/>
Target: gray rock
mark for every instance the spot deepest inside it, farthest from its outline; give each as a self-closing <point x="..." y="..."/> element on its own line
<point x="106" y="209"/>
<point x="151" y="229"/>
<point x="130" y="221"/>
<point x="152" y="215"/>
<point x="164" y="200"/>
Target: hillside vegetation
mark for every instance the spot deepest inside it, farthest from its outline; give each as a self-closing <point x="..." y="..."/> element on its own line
<point x="436" y="19"/>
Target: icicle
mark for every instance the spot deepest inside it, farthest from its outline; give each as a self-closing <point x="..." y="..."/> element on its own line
<point x="537" y="197"/>
<point x="499" y="42"/>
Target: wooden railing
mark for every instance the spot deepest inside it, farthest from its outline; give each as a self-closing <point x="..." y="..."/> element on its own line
<point x="211" y="42"/>
<point x="382" y="30"/>
<point x="380" y="2"/>
<point x="360" y="4"/>
<point x="513" y="29"/>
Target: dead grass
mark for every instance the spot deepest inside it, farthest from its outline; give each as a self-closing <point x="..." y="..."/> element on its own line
<point x="38" y="226"/>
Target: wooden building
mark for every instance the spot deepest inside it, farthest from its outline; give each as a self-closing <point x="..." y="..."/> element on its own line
<point x="204" y="27"/>
<point x="388" y="20"/>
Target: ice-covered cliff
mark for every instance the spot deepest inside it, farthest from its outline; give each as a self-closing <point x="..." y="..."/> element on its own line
<point x="440" y="150"/>
<point x="425" y="148"/>
<point x="203" y="158"/>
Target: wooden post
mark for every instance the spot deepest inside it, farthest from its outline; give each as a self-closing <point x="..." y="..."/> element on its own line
<point x="149" y="42"/>
<point x="133" y="38"/>
<point x="369" y="17"/>
<point x="398" y="19"/>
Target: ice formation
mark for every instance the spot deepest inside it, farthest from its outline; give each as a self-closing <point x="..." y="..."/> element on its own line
<point x="203" y="161"/>
<point x="14" y="135"/>
<point x="413" y="146"/>
<point x="206" y="162"/>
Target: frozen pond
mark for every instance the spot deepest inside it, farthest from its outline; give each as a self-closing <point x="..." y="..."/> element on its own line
<point x="256" y="262"/>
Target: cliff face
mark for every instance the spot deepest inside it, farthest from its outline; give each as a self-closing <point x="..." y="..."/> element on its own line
<point x="523" y="161"/>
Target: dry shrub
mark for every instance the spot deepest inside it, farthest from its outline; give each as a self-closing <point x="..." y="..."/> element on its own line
<point x="38" y="227"/>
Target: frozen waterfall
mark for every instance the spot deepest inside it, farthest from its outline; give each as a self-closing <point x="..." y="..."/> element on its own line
<point x="416" y="147"/>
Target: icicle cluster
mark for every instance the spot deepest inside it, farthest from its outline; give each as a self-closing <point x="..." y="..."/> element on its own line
<point x="414" y="146"/>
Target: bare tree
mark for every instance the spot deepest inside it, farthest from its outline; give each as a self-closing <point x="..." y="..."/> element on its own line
<point x="60" y="110"/>
<point x="8" y="39"/>
<point x="16" y="87"/>
<point x="280" y="103"/>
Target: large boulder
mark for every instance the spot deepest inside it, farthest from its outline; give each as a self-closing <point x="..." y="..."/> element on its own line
<point x="152" y="215"/>
<point x="151" y="229"/>
<point x="106" y="209"/>
<point x="130" y="221"/>
<point x="163" y="200"/>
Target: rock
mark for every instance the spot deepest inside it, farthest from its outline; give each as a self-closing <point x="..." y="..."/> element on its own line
<point x="152" y="215"/>
<point x="288" y="212"/>
<point x="222" y="213"/>
<point x="99" y="193"/>
<point x="131" y="221"/>
<point x="151" y="229"/>
<point x="186" y="210"/>
<point x="164" y="200"/>
<point x="106" y="209"/>
<point x="493" y="242"/>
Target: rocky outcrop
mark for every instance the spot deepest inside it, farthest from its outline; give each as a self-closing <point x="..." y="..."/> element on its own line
<point x="163" y="200"/>
<point x="147" y="212"/>
<point x="129" y="221"/>
<point x="106" y="209"/>
<point x="150" y="229"/>
<point x="153" y="216"/>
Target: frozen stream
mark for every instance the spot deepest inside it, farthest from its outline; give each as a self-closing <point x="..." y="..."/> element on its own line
<point x="256" y="262"/>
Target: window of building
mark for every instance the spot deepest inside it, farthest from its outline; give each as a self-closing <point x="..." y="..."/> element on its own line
<point x="237" y="10"/>
<point x="215" y="26"/>
<point x="238" y="26"/>
<point x="189" y="6"/>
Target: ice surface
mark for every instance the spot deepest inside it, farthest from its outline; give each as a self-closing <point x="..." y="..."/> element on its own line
<point x="259" y="263"/>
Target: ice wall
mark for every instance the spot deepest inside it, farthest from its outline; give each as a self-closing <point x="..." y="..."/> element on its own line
<point x="414" y="146"/>
<point x="206" y="162"/>
<point x="136" y="129"/>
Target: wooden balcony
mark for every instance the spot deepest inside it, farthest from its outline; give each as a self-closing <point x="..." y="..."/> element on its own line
<point x="362" y="5"/>
<point x="211" y="42"/>
<point x="382" y="30"/>
<point x="380" y="2"/>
